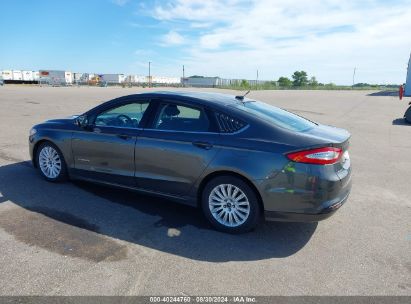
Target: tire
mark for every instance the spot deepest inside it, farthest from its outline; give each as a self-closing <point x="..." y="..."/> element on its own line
<point x="230" y="195"/>
<point x="50" y="162"/>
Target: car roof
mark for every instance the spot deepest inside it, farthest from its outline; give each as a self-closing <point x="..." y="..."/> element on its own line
<point x="216" y="100"/>
<point x="204" y="97"/>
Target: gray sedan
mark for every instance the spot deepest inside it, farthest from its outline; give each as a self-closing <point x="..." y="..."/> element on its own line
<point x="235" y="158"/>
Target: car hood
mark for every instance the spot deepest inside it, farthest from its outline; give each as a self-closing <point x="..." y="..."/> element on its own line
<point x="68" y="119"/>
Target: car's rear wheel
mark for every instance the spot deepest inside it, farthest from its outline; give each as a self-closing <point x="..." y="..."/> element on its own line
<point x="230" y="204"/>
<point x="50" y="162"/>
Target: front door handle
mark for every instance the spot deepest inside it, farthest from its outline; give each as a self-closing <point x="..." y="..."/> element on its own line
<point x="123" y="136"/>
<point x="203" y="144"/>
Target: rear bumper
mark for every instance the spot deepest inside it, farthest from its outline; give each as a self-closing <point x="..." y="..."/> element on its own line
<point x="308" y="194"/>
<point x="304" y="217"/>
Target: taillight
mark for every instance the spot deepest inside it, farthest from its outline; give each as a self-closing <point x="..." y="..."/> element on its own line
<point x="319" y="156"/>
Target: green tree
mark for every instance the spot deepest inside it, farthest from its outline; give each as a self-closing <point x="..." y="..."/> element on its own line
<point x="313" y="82"/>
<point x="244" y="84"/>
<point x="284" y="82"/>
<point x="300" y="78"/>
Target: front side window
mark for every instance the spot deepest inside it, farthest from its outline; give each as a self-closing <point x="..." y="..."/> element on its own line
<point x="127" y="116"/>
<point x="174" y="117"/>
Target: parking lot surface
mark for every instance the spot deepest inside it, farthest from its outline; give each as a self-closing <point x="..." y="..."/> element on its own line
<point x="77" y="238"/>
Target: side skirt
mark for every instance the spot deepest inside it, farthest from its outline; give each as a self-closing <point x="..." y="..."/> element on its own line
<point x="179" y="199"/>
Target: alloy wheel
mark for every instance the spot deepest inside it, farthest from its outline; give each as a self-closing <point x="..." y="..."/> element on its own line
<point x="229" y="205"/>
<point x="50" y="162"/>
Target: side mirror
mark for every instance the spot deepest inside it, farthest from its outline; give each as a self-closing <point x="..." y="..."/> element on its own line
<point x="82" y="121"/>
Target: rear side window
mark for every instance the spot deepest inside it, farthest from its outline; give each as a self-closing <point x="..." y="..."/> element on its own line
<point x="175" y="117"/>
<point x="228" y="124"/>
<point x="277" y="116"/>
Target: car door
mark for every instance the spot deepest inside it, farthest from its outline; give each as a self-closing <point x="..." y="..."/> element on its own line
<point x="176" y="147"/>
<point x="105" y="149"/>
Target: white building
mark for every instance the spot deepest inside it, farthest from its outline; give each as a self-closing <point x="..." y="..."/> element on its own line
<point x="407" y="91"/>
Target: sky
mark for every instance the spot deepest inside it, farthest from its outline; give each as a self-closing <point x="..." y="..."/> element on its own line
<point x="230" y="39"/>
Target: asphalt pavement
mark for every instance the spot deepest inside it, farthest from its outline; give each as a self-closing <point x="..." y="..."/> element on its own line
<point x="77" y="238"/>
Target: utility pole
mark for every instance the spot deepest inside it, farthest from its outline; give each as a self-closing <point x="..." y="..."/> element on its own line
<point x="256" y="81"/>
<point x="183" y="76"/>
<point x="149" y="74"/>
<point x="353" y="78"/>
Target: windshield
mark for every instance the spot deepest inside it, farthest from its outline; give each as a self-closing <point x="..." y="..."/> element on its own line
<point x="277" y="116"/>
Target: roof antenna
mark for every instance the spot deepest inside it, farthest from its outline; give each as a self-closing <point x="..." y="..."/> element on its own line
<point x="241" y="97"/>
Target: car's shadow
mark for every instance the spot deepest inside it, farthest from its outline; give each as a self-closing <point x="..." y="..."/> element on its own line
<point x="400" y="122"/>
<point x="384" y="93"/>
<point x="77" y="219"/>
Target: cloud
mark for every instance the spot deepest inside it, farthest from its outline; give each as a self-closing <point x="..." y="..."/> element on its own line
<point x="198" y="10"/>
<point x="327" y="38"/>
<point x="144" y="52"/>
<point x="172" y="38"/>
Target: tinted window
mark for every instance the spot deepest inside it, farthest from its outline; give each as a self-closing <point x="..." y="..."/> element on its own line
<point x="128" y="116"/>
<point x="181" y="118"/>
<point x="228" y="124"/>
<point x="277" y="116"/>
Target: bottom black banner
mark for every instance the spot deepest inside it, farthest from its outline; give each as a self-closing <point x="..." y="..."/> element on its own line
<point x="205" y="299"/>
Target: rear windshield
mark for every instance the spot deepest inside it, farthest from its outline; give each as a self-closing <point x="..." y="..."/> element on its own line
<point x="277" y="116"/>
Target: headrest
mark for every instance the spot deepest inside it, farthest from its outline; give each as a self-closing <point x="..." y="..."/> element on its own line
<point x="171" y="110"/>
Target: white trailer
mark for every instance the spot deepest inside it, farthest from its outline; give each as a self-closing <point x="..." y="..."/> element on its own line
<point x="68" y="77"/>
<point x="52" y="77"/>
<point x="112" y="78"/>
<point x="7" y="74"/>
<point x="173" y="80"/>
<point x="138" y="79"/>
<point x="87" y="76"/>
<point x="27" y="76"/>
<point x="131" y="79"/>
<point x="17" y="75"/>
<point x="78" y="77"/>
<point x="36" y="75"/>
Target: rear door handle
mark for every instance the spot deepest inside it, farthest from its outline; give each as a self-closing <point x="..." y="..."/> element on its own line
<point x="203" y="144"/>
<point x="123" y="136"/>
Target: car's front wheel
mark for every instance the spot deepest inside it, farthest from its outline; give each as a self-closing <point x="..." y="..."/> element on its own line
<point x="50" y="162"/>
<point x="230" y="204"/>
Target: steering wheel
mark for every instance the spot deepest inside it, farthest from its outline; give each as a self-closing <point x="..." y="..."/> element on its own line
<point x="125" y="119"/>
